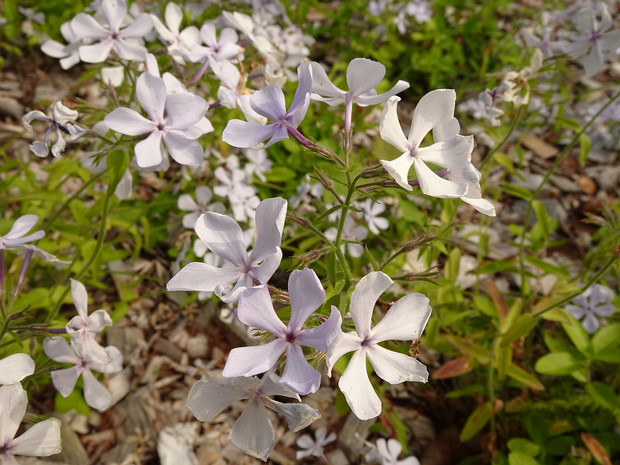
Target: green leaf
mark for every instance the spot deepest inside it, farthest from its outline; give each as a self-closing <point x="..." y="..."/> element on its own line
<point x="547" y="267"/>
<point x="584" y="148"/>
<point x="74" y="401"/>
<point x="543" y="218"/>
<point x="476" y="421"/>
<point x="280" y="174"/>
<point x="577" y="334"/>
<point x="521" y="327"/>
<point x="519" y="458"/>
<point x="517" y="191"/>
<point x="558" y="363"/>
<point x="117" y="162"/>
<point x="524" y="446"/>
<point x="525" y="378"/>
<point x="605" y="338"/>
<point x="608" y="355"/>
<point x="603" y="394"/>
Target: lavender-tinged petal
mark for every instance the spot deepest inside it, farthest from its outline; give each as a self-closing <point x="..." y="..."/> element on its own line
<point x="433" y="109"/>
<point x="197" y="276"/>
<point x="304" y="88"/>
<point x="298" y="373"/>
<point x="183" y="150"/>
<point x="342" y="344"/>
<point x="269" y="102"/>
<point x="280" y="133"/>
<point x="23" y="224"/>
<point x="64" y="380"/>
<point x="322" y="85"/>
<point x="58" y="350"/>
<point x="268" y="267"/>
<point x="256" y="310"/>
<point x="604" y="310"/>
<point x="128" y="121"/>
<point x="270" y="216"/>
<point x="96" y="53"/>
<point x="87" y="27"/>
<point x="114" y="12"/>
<point x="141" y="26"/>
<point x="363" y="75"/>
<point x="405" y="320"/>
<point x="358" y="390"/>
<point x="321" y="337"/>
<point x="584" y="20"/>
<point x="590" y="323"/>
<point x="252" y="433"/>
<point x="208" y="34"/>
<point x="130" y="51"/>
<point x="432" y="184"/>
<point x="395" y="367"/>
<point x="298" y="416"/>
<point x="114" y="363"/>
<point x="223" y="236"/>
<point x="95" y="394"/>
<point x="32" y="115"/>
<point x="185" y="202"/>
<point x="80" y="298"/>
<point x="244" y="135"/>
<point x="149" y="151"/>
<point x="203" y="126"/>
<point x="306" y="293"/>
<point x="151" y="92"/>
<point x="40" y="440"/>
<point x="59" y="147"/>
<point x="252" y="360"/>
<point x="364" y="298"/>
<point x="270" y="385"/>
<point x="173" y="16"/>
<point x="184" y="110"/>
<point x="208" y="397"/>
<point x="389" y="126"/>
<point x="15" y="367"/>
<point x="368" y="99"/>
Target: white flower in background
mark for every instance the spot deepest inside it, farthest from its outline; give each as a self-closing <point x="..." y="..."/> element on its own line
<point x="179" y="43"/>
<point x="95" y="394"/>
<point x="371" y="211"/>
<point x="404" y="321"/>
<point x="314" y="447"/>
<point x="252" y="433"/>
<point x="15" y="367"/>
<point x="197" y="207"/>
<point x="175" y="128"/>
<point x="95" y="163"/>
<point x="223" y="236"/>
<point x="242" y="196"/>
<point x="594" y="39"/>
<point x="516" y="84"/>
<point x="350" y="232"/>
<point x="69" y="54"/>
<point x="84" y="327"/>
<point x="420" y="10"/>
<point x="40" y="440"/>
<point x="256" y="310"/>
<point x="401" y="22"/>
<point x="224" y="49"/>
<point x="63" y="121"/>
<point x="258" y="163"/>
<point x="547" y="46"/>
<point x="126" y="42"/>
<point x="434" y="110"/>
<point x="596" y="301"/>
<point x="484" y="107"/>
<point x="305" y="192"/>
<point x="387" y="452"/>
<point x="363" y="76"/>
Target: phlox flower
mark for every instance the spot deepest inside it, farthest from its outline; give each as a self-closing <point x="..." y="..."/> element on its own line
<point x="84" y="327"/>
<point x="404" y="321"/>
<point x="15" y="367"/>
<point x="69" y="54"/>
<point x="95" y="394"/>
<point x="175" y="128"/>
<point x="515" y="85"/>
<point x="41" y="440"/>
<point x="234" y="184"/>
<point x="179" y="42"/>
<point x="387" y="452"/>
<point x="256" y="310"/>
<point x="252" y="433"/>
<point x="314" y="448"/>
<point x="350" y="232"/>
<point x="371" y="211"/>
<point x="224" y="49"/>
<point x="594" y="39"/>
<point x="269" y="102"/>
<point x="197" y="207"/>
<point x="363" y="76"/>
<point x="126" y="42"/>
<point x="434" y="110"/>
<point x="223" y="236"/>
<point x="258" y="163"/>
<point x="595" y="301"/>
<point x="63" y="121"/>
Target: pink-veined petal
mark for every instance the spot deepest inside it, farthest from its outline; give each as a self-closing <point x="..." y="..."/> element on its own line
<point x="363" y="75"/>
<point x="321" y="337"/>
<point x="357" y="389"/>
<point x="15" y="367"/>
<point x="41" y="440"/>
<point x="395" y="367"/>
<point x="364" y="298"/>
<point x="306" y="293"/>
<point x="223" y="236"/>
<point x="252" y="433"/>
<point x="197" y="276"/>
<point x="298" y="373"/>
<point x="432" y="184"/>
<point x="256" y="310"/>
<point x="269" y="102"/>
<point x="243" y="134"/>
<point x="183" y="150"/>
<point x="128" y="121"/>
<point x="433" y="109"/>
<point x="252" y="360"/>
<point x="405" y="320"/>
<point x="208" y="397"/>
<point x="149" y="151"/>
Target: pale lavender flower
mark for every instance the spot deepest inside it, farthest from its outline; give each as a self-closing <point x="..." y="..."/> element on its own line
<point x="401" y="23"/>
<point x="252" y="433"/>
<point x="596" y="301"/>
<point x="69" y="54"/>
<point x="197" y="207"/>
<point x="223" y="236"/>
<point x="314" y="447"/>
<point x="127" y="42"/>
<point x="95" y="394"/>
<point x="179" y="43"/>
<point x="15" y="367"/>
<point x="305" y="192"/>
<point x="434" y="110"/>
<point x="371" y="211"/>
<point x="224" y="49"/>
<point x="594" y="39"/>
<point x="350" y="232"/>
<point x="376" y="7"/>
<point x="420" y="10"/>
<point x="256" y="310"/>
<point x="387" y="452"/>
<point x="175" y="128"/>
<point x="258" y="164"/>
<point x="404" y="321"/>
<point x="41" y="440"/>
<point x="269" y="102"/>
<point x="547" y="46"/>
<point x="63" y="121"/>
<point x="363" y="76"/>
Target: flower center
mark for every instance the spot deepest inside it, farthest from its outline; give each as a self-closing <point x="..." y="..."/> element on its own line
<point x="290" y="337"/>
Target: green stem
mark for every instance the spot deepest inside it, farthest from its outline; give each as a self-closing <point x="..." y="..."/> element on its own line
<point x="513" y="126"/>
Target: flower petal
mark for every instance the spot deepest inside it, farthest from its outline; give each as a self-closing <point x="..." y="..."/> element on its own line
<point x="432" y="184"/>
<point x="208" y="397"/>
<point x="322" y="85"/>
<point x="269" y="102"/>
<point x="322" y="336"/>
<point x="223" y="236"/>
<point x="87" y="27"/>
<point x="270" y="215"/>
<point x="13" y="401"/>
<point x="184" y="110"/>
<point x="197" y="276"/>
<point x="22" y="225"/>
<point x="363" y="75"/>
<point x="358" y="390"/>
<point x="298" y="373"/>
<point x="297" y="415"/>
<point x="452" y="154"/>
<point x="252" y="433"/>
<point x="64" y="380"/>
<point x="368" y="99"/>
<point x="364" y="298"/>
<point x="395" y="367"/>
<point x="128" y="121"/>
<point x="151" y="92"/>
<point x="95" y="394"/>
<point x="256" y="310"/>
<point x="389" y="127"/>
<point x="41" y="440"/>
<point x="80" y="298"/>
<point x="243" y="134"/>
<point x="399" y="169"/>
<point x="433" y="109"/>
<point x="149" y="151"/>
<point x="141" y="26"/>
<point x="58" y="350"/>
<point x="306" y="294"/>
<point x="304" y="87"/>
<point x="405" y="321"/>
<point x="343" y="343"/>
<point x="252" y="360"/>
<point x="15" y="367"/>
<point x="96" y="53"/>
<point x="183" y="150"/>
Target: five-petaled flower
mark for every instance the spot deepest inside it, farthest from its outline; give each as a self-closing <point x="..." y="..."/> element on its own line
<point x="595" y="301"/>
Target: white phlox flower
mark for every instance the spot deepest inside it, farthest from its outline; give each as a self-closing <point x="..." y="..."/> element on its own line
<point x="84" y="327"/>
<point x="404" y="321"/>
<point x="173" y="120"/>
<point x="224" y="49"/>
<point x="40" y="440"/>
<point x="258" y="163"/>
<point x="95" y="163"/>
<point x="434" y="110"/>
<point x="515" y="85"/>
<point x="363" y="76"/>
<point x="223" y="236"/>
<point x="313" y="447"/>
<point x="387" y="452"/>
<point x="15" y="367"/>
<point x="69" y="54"/>
<point x="126" y="42"/>
<point x="371" y="211"/>
<point x="95" y="394"/>
<point x="197" y="207"/>
<point x="63" y="121"/>
<point x="350" y="232"/>
<point x="256" y="310"/>
<point x="179" y="43"/>
<point x="252" y="433"/>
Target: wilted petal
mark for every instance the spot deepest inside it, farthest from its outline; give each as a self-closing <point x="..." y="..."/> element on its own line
<point x="252" y="360"/>
<point x="252" y="433"/>
<point x="298" y="416"/>
<point x="358" y="390"/>
<point x="95" y="394"/>
<point x="15" y="367"/>
<point x="364" y="298"/>
<point x="405" y="320"/>
<point x="298" y="373"/>
<point x="306" y="293"/>
<point x="202" y="277"/>
<point x="395" y="367"/>
<point x="208" y="397"/>
<point x="32" y="115"/>
<point x="256" y="311"/>
<point x="41" y="440"/>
